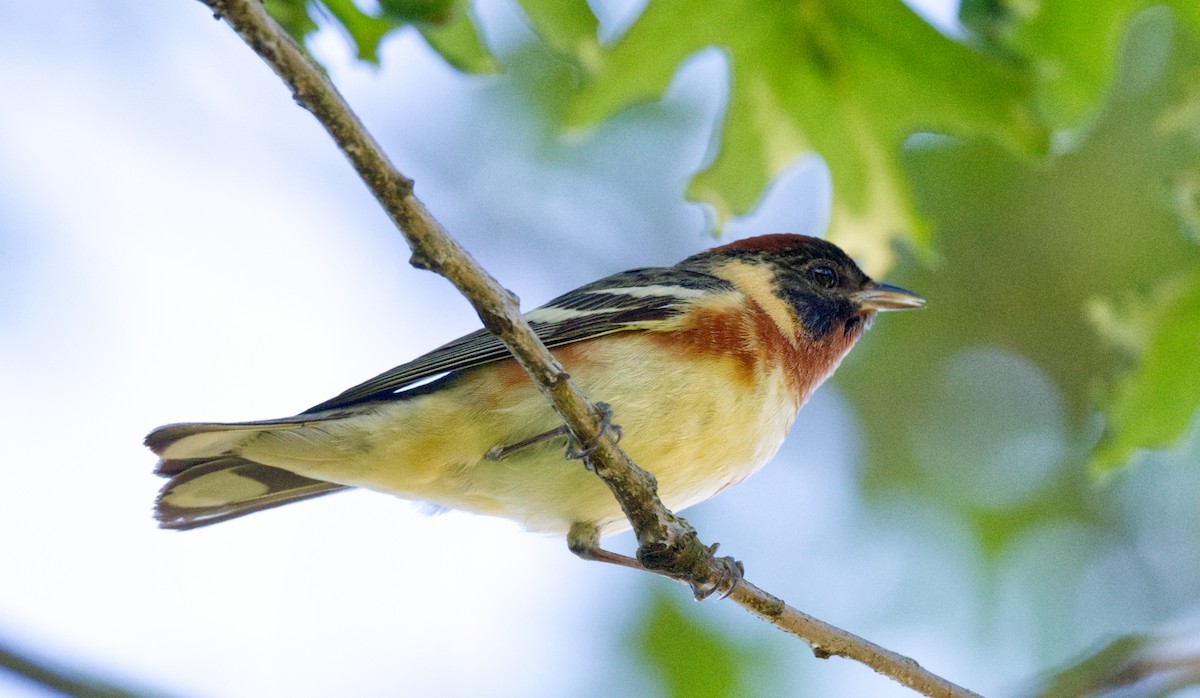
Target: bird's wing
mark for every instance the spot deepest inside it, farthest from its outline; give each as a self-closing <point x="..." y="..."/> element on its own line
<point x="633" y="300"/>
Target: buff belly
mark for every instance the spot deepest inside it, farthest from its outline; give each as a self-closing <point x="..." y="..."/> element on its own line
<point x="700" y="425"/>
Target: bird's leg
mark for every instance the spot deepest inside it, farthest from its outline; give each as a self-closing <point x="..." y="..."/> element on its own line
<point x="502" y="452"/>
<point x="687" y="560"/>
<point x="584" y="540"/>
<point x="606" y="425"/>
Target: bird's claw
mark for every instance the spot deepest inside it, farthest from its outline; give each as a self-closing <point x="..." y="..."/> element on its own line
<point x="727" y="580"/>
<point x="606" y="426"/>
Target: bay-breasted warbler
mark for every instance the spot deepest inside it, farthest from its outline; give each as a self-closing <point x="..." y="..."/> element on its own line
<point x="705" y="365"/>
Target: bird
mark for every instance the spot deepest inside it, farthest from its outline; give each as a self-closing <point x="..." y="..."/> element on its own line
<point x="704" y="366"/>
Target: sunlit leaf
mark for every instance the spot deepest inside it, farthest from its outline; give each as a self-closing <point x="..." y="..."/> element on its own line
<point x="1153" y="405"/>
<point x="848" y="80"/>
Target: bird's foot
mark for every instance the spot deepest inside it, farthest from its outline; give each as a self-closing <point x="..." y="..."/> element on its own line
<point x="606" y="426"/>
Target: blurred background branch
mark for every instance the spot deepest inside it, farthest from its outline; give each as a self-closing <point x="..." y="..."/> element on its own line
<point x="61" y="679"/>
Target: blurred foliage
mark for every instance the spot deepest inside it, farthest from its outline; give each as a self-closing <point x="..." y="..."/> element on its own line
<point x="1090" y="676"/>
<point x="1024" y="248"/>
<point x="1154" y="402"/>
<point x="691" y="659"/>
<point x="445" y="24"/>
<point x="1133" y="666"/>
<point x="1068" y="48"/>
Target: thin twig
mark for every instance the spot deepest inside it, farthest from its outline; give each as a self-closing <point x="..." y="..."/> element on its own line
<point x="663" y="537"/>
<point x="831" y="641"/>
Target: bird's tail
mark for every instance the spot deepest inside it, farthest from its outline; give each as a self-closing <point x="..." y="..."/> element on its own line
<point x="209" y="481"/>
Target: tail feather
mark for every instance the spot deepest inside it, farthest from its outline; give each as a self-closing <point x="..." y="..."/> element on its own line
<point x="211" y="439"/>
<point x="209" y="482"/>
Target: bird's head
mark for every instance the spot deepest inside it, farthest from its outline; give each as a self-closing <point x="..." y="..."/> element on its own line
<point x="820" y="287"/>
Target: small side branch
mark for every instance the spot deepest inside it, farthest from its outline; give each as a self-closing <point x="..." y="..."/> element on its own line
<point x="668" y="545"/>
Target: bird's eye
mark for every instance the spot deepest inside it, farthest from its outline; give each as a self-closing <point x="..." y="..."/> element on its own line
<point x="824" y="276"/>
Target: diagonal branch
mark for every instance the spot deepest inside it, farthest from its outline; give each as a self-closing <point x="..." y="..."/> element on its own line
<point x="666" y="542"/>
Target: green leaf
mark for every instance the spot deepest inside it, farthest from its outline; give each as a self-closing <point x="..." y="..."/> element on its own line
<point x="693" y="660"/>
<point x="1153" y="405"/>
<point x="456" y="38"/>
<point x="846" y="79"/>
<point x="299" y="19"/>
<point x="366" y="31"/>
<point x="445" y="24"/>
<point x="1072" y="73"/>
<point x="294" y="16"/>
<point x="567" y="27"/>
<point x="413" y="11"/>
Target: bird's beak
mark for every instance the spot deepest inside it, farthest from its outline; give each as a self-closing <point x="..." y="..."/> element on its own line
<point x="879" y="296"/>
